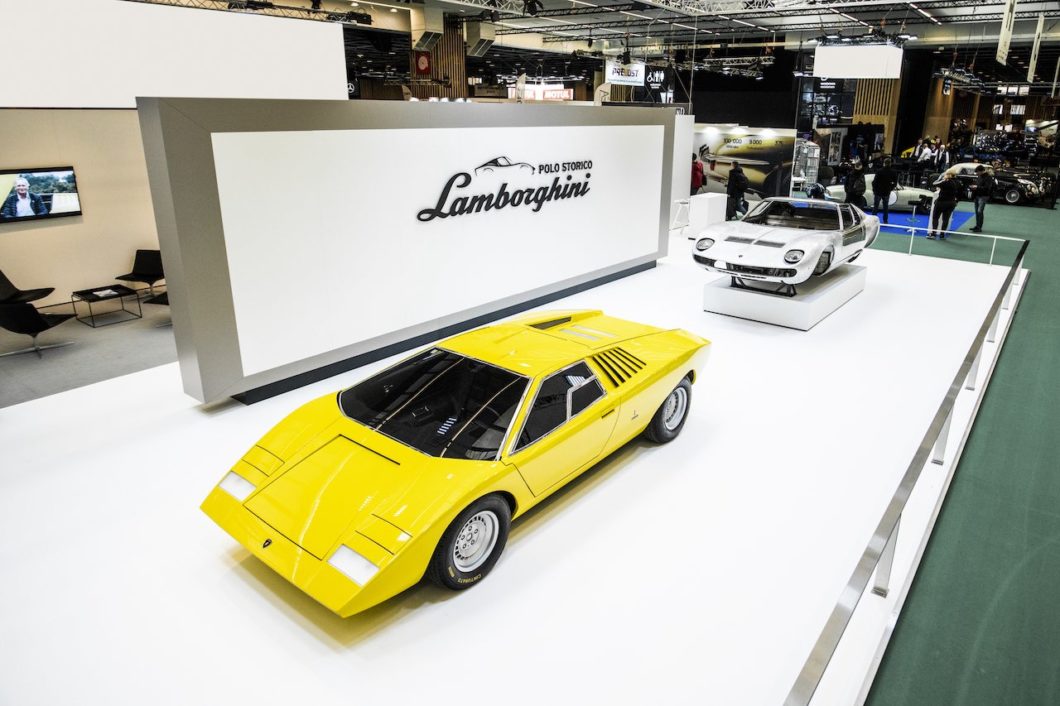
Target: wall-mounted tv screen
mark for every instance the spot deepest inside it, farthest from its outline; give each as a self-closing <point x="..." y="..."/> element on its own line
<point x="45" y="192"/>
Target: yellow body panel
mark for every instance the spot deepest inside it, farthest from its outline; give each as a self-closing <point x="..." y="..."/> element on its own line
<point x="322" y="480"/>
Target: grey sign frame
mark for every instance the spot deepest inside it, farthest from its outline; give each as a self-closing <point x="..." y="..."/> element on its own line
<point x="177" y="135"/>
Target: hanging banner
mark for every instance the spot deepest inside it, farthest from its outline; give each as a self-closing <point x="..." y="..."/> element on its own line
<point x="625" y="74"/>
<point x="1037" y="45"/>
<point x="1008" y="23"/>
<point x="422" y="61"/>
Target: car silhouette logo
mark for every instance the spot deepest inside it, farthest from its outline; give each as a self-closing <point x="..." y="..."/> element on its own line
<point x="495" y="165"/>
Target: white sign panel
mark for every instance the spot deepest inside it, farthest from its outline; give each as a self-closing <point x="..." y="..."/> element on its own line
<point x="1033" y="65"/>
<point x="871" y="61"/>
<point x="393" y="228"/>
<point x="625" y="74"/>
<point x="1008" y="23"/>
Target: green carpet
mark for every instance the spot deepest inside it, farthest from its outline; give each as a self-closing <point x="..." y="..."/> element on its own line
<point x="982" y="623"/>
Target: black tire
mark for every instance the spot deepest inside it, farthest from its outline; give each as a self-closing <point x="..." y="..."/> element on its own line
<point x="1013" y="196"/>
<point x="663" y="426"/>
<point x="444" y="568"/>
<point x="823" y="263"/>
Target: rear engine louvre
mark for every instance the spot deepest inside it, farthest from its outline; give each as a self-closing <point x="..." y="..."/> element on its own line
<point x="618" y="364"/>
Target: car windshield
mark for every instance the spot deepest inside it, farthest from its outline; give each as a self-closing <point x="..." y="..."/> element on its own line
<point x="440" y="403"/>
<point x="794" y="214"/>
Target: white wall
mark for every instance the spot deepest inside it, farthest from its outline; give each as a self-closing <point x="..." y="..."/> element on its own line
<point x="331" y="216"/>
<point x="681" y="182"/>
<point x="105" y="53"/>
<point x="84" y="251"/>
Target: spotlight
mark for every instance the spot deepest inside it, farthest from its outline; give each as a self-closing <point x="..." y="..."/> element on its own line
<point x="532" y="7"/>
<point x="316" y="5"/>
<point x="625" y="57"/>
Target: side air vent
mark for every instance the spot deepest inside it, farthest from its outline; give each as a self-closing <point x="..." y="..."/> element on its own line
<point x="543" y="325"/>
<point x="739" y="239"/>
<point x="618" y="364"/>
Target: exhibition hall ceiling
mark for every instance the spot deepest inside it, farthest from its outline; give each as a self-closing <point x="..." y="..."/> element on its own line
<point x="567" y="38"/>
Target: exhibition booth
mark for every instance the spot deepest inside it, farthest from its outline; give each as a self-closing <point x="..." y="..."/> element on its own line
<point x="310" y="243"/>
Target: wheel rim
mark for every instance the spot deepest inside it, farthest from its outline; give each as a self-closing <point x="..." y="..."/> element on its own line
<point x="475" y="541"/>
<point x="674" y="409"/>
<point x="1012" y="196"/>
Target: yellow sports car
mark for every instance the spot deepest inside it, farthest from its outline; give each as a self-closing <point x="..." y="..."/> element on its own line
<point x="419" y="469"/>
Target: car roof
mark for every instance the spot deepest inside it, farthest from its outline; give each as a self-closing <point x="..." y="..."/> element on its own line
<point x="794" y="199"/>
<point x="538" y="343"/>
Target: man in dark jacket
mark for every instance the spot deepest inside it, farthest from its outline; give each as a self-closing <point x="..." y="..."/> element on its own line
<point x="855" y="187"/>
<point x="735" y="190"/>
<point x="883" y="185"/>
<point x="982" y="190"/>
<point x="21" y="203"/>
<point x="949" y="190"/>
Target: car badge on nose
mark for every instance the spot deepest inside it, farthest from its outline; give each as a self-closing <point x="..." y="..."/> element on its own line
<point x="266" y="544"/>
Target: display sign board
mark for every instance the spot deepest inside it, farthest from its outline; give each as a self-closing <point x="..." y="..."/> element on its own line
<point x="865" y="61"/>
<point x="1008" y="24"/>
<point x="309" y="244"/>
<point x="765" y="155"/>
<point x="625" y="74"/>
<point x="1033" y="65"/>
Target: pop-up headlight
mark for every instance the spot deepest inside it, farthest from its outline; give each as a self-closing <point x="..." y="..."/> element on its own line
<point x="793" y="256"/>
<point x="352" y="565"/>
<point x="704" y="244"/>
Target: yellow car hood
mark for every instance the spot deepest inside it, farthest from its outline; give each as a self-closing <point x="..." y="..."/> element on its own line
<point x="314" y="502"/>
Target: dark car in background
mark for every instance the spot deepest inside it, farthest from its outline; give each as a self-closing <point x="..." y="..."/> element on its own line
<point x="1013" y="186"/>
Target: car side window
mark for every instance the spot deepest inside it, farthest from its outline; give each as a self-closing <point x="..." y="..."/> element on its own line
<point x="854" y="217"/>
<point x="561" y="396"/>
<point x="848" y="217"/>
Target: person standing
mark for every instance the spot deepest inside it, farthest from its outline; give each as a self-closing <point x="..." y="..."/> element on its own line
<point x="697" y="174"/>
<point x="855" y="187"/>
<point x="982" y="190"/>
<point x="735" y="190"/>
<point x="945" y="202"/>
<point x="942" y="158"/>
<point x="883" y="185"/>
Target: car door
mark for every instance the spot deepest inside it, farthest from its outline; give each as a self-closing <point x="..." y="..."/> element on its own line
<point x="565" y="429"/>
<point x="853" y="231"/>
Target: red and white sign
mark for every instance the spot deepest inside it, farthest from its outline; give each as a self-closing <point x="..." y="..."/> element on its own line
<point x="422" y="61"/>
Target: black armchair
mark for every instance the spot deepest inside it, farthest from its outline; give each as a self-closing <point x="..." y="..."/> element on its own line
<point x="10" y="294"/>
<point x="24" y="318"/>
<point x="147" y="268"/>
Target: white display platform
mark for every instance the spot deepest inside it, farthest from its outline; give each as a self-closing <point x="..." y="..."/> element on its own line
<point x="704" y="210"/>
<point x="698" y="572"/>
<point x="815" y="299"/>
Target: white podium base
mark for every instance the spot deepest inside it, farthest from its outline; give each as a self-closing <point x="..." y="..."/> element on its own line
<point x="816" y="299"/>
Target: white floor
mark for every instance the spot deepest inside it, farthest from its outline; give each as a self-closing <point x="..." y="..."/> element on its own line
<point x="699" y="572"/>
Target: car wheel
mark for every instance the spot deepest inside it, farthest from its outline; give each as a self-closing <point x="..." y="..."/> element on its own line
<point x="823" y="263"/>
<point x="670" y="418"/>
<point x="1013" y="196"/>
<point x="471" y="545"/>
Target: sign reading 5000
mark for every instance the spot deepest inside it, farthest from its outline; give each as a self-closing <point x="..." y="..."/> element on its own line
<point x="521" y="184"/>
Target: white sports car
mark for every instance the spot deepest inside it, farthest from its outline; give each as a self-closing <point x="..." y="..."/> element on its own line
<point x="903" y="198"/>
<point x="786" y="241"/>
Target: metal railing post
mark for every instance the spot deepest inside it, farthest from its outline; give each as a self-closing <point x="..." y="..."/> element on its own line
<point x="991" y="335"/>
<point x="973" y="372"/>
<point x="882" y="585"/>
<point x="938" y="453"/>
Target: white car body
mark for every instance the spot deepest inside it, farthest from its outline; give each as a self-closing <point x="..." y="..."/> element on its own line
<point x="828" y="234"/>
<point x="903" y="198"/>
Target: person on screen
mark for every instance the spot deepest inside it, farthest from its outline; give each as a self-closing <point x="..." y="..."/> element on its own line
<point x="21" y="203"/>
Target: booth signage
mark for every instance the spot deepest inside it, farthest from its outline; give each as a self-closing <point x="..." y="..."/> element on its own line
<point x="526" y="188"/>
<point x="625" y="74"/>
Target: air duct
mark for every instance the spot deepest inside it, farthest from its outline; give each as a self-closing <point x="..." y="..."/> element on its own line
<point x="427" y="25"/>
<point x="479" y="37"/>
